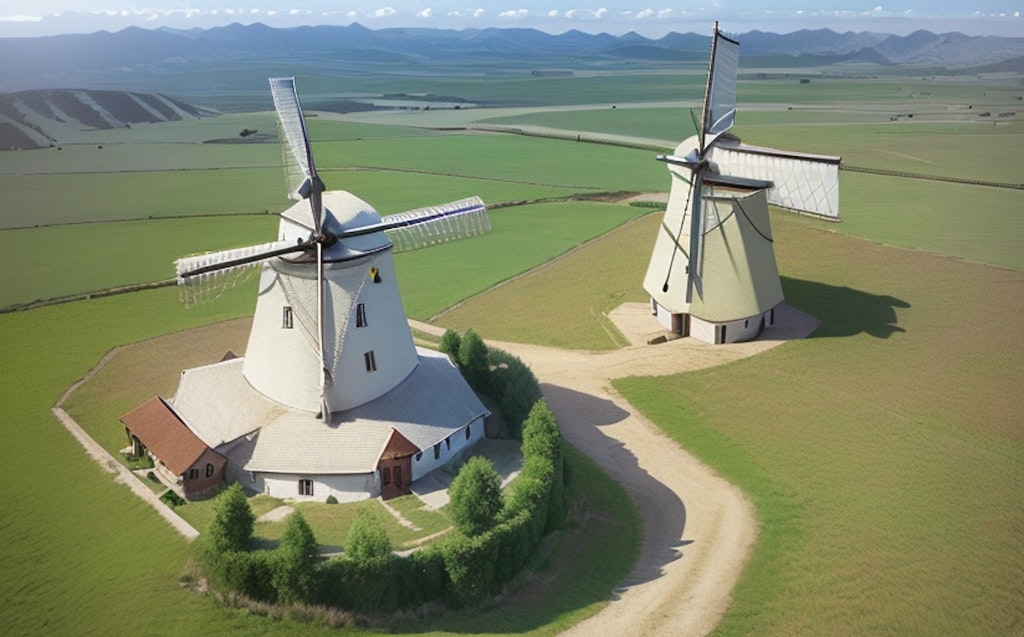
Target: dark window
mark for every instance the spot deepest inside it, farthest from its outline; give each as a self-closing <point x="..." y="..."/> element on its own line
<point x="305" y="487"/>
<point x="375" y="274"/>
<point x="437" y="451"/>
<point x="448" y="443"/>
<point x="286" y="317"/>
<point x="385" y="476"/>
<point x="193" y="473"/>
<point x="370" y="360"/>
<point x="468" y="432"/>
<point x="209" y="469"/>
<point x="419" y="456"/>
<point x="361" y="315"/>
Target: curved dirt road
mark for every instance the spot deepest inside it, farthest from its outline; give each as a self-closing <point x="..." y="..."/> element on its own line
<point x="698" y="528"/>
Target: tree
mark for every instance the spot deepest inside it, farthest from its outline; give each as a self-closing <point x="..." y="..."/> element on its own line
<point x="231" y="527"/>
<point x="473" y="361"/>
<point x="475" y="496"/>
<point x="296" y="559"/>
<point x="367" y="540"/>
<point x="450" y="343"/>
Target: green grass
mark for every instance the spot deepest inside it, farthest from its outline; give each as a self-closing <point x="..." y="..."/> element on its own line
<point x="523" y="238"/>
<point x="573" y="295"/>
<point x="883" y="454"/>
<point x="63" y="260"/>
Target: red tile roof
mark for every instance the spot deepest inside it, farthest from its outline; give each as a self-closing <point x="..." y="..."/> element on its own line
<point x="156" y="425"/>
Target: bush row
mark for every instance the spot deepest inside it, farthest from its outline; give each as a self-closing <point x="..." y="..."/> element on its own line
<point x="495" y="373"/>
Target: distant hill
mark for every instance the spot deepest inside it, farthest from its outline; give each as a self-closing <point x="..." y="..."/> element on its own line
<point x="28" y="119"/>
<point x="106" y="59"/>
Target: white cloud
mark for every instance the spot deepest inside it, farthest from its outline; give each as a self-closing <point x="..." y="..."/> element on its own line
<point x="665" y="13"/>
<point x="384" y="12"/>
<point x="646" y="13"/>
<point x="515" y="14"/>
<point x="553" y="13"/>
<point x="425" y="13"/>
<point x="600" y="12"/>
<point x="21" y="18"/>
<point x="478" y="13"/>
<point x="571" y="13"/>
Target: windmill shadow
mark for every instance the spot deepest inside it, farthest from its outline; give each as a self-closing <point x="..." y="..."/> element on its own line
<point x="654" y="500"/>
<point x="844" y="311"/>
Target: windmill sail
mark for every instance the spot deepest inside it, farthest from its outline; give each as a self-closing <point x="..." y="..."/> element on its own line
<point x="433" y="225"/>
<point x="297" y="150"/>
<point x="720" y="97"/>
<point x="206" y="276"/>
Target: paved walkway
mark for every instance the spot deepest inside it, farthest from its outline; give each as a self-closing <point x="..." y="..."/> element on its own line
<point x="123" y="475"/>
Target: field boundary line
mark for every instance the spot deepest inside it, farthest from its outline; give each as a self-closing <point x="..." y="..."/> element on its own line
<point x="85" y="296"/>
<point x="953" y="180"/>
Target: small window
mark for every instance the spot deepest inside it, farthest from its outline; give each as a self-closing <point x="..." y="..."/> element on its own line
<point x="371" y="361"/>
<point x="448" y="444"/>
<point x="468" y="432"/>
<point x="385" y="476"/>
<point x="419" y="456"/>
<point x="209" y="470"/>
<point x="361" y="315"/>
<point x="437" y="451"/>
<point x="305" y="487"/>
<point x="375" y="274"/>
<point x="193" y="473"/>
<point x="286" y="317"/>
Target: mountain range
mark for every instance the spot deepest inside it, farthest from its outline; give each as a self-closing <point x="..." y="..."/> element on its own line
<point x="105" y="59"/>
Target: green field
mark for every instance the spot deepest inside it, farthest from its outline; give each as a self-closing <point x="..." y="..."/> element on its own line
<point x="884" y="454"/>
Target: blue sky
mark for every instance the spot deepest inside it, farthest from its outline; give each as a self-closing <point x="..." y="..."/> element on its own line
<point x="648" y="17"/>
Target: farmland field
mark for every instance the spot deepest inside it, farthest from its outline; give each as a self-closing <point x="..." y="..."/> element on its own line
<point x="883" y="454"/>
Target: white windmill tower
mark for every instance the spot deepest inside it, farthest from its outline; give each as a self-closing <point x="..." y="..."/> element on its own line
<point x="330" y="271"/>
<point x="339" y="383"/>
<point x="712" y="274"/>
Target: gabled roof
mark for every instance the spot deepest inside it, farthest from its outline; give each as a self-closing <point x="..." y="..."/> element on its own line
<point x="432" y="403"/>
<point x="160" y="429"/>
<point x="220" y="405"/>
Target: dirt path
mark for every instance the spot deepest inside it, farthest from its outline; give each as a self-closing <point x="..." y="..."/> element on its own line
<point x="698" y="528"/>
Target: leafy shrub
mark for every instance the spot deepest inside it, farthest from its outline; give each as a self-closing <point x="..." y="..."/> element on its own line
<point x="331" y="499"/>
<point x="450" y="344"/>
<point x="172" y="499"/>
<point x="231" y="527"/>
<point x="473" y="362"/>
<point x="295" y="561"/>
<point x="514" y="387"/>
<point x="475" y="496"/>
<point x="367" y="540"/>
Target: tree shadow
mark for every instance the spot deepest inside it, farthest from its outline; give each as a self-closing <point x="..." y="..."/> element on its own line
<point x="570" y="587"/>
<point x="663" y="513"/>
<point x="844" y="311"/>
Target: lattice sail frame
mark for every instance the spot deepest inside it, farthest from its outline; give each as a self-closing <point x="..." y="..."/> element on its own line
<point x="433" y="225"/>
<point x="210" y="285"/>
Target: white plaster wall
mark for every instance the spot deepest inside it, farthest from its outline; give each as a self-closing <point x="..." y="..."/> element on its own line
<point x="428" y="463"/>
<point x="346" y="488"/>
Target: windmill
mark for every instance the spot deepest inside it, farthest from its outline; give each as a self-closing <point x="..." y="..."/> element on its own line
<point x="712" y="274"/>
<point x="329" y="268"/>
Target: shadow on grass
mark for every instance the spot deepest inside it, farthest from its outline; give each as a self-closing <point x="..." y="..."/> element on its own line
<point x="844" y="311"/>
